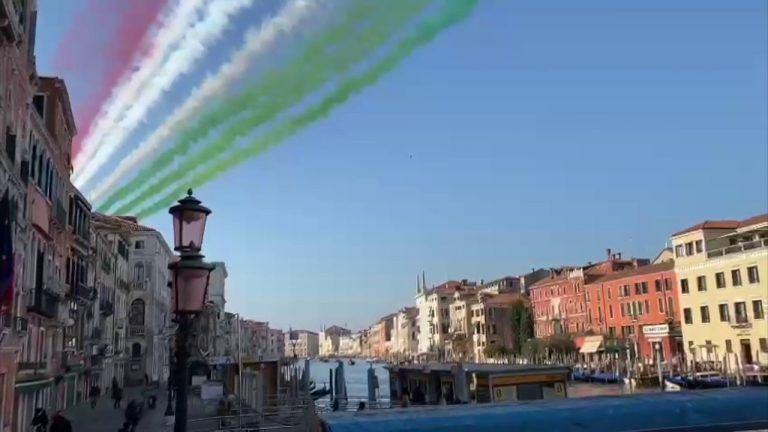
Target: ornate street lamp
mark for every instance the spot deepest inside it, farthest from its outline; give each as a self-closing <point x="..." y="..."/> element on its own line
<point x="293" y="336"/>
<point x="189" y="288"/>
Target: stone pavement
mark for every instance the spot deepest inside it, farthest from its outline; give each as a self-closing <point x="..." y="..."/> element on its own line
<point x="105" y="418"/>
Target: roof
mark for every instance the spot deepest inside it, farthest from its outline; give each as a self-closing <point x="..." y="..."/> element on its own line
<point x="639" y="271"/>
<point x="707" y="225"/>
<point x="755" y="220"/>
<point x="67" y="105"/>
<point x="124" y="223"/>
<point x="504" y="299"/>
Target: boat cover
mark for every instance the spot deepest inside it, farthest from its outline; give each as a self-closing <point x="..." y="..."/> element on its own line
<point x="740" y="409"/>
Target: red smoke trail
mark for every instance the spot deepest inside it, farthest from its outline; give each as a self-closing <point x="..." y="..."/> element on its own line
<point x="122" y="27"/>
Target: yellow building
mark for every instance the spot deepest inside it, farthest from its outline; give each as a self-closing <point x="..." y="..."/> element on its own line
<point x="722" y="271"/>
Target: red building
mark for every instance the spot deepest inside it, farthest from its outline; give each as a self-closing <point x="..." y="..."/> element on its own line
<point x="625" y="302"/>
<point x="559" y="301"/>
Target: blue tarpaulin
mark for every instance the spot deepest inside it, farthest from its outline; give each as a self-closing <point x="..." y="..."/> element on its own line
<point x="707" y="410"/>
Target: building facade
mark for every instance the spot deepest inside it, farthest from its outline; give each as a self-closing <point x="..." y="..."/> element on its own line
<point x="559" y="301"/>
<point x="628" y="304"/>
<point x="720" y="268"/>
<point x="302" y="344"/>
<point x="148" y="335"/>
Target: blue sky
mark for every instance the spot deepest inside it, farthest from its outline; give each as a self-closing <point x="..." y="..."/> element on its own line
<point x="534" y="134"/>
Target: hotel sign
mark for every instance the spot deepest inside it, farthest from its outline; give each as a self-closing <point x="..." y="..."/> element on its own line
<point x="656" y="331"/>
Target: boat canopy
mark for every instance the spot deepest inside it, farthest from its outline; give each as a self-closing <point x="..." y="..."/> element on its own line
<point x="740" y="409"/>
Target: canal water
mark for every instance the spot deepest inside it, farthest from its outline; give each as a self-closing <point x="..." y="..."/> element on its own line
<point x="357" y="381"/>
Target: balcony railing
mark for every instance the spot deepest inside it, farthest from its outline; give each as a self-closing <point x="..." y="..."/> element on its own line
<point x="32" y="366"/>
<point x="137" y="285"/>
<point x="45" y="304"/>
<point x="741" y="247"/>
<point x="136" y="330"/>
<point x="106" y="307"/>
<point x="60" y="215"/>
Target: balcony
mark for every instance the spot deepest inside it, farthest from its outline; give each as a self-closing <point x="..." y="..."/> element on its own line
<point x="84" y="292"/>
<point x="9" y="20"/>
<point x="135" y="331"/>
<point x="60" y="215"/>
<point x="106" y="308"/>
<point x="741" y="247"/>
<point x="32" y="366"/>
<point x="137" y="285"/>
<point x="21" y="324"/>
<point x="45" y="304"/>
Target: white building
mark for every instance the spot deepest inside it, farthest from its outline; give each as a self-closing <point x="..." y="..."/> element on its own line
<point x="275" y="344"/>
<point x="149" y="299"/>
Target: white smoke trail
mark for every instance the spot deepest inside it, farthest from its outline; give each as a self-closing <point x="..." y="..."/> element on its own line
<point x="196" y="41"/>
<point x="171" y="31"/>
<point x="257" y="41"/>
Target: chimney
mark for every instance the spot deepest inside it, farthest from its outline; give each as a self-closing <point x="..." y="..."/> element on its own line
<point x="482" y="281"/>
<point x="608" y="253"/>
<point x="618" y="254"/>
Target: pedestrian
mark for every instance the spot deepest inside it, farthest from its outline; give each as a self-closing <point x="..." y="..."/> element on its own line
<point x="132" y="414"/>
<point x="59" y="423"/>
<point x="39" y="420"/>
<point x="94" y="393"/>
<point x="126" y="427"/>
<point x="117" y="395"/>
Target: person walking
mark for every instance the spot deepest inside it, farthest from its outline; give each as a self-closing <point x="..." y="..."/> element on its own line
<point x="94" y="393"/>
<point x="132" y="414"/>
<point x="40" y="420"/>
<point x="117" y="393"/>
<point x="59" y="423"/>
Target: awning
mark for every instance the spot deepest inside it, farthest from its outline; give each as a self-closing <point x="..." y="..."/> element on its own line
<point x="26" y="387"/>
<point x="591" y="344"/>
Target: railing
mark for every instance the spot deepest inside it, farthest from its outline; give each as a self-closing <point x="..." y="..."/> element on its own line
<point x="60" y="215"/>
<point x="137" y="285"/>
<point x="33" y="366"/>
<point x="136" y="330"/>
<point x="741" y="247"/>
<point x="106" y="307"/>
<point x="45" y="304"/>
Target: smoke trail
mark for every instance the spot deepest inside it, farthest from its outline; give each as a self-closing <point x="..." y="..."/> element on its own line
<point x="280" y="88"/>
<point x="257" y="41"/>
<point x="215" y="20"/>
<point x="454" y="11"/>
<point x="171" y="30"/>
<point x="133" y="25"/>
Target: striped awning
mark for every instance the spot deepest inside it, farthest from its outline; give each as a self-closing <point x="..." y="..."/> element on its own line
<point x="591" y="344"/>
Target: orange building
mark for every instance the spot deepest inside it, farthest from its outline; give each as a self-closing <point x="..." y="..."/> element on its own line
<point x="638" y="304"/>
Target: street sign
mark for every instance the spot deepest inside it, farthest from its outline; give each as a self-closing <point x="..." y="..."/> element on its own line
<point x="656" y="331"/>
<point x="654" y="339"/>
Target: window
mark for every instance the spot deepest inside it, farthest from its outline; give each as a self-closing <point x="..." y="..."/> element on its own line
<point x="728" y="346"/>
<point x="608" y="293"/>
<point x="688" y="315"/>
<point x="736" y="277"/>
<point x="647" y="307"/>
<point x="684" y="286"/>
<point x="704" y="314"/>
<point x="657" y="284"/>
<point x="720" y="280"/>
<point x="701" y="283"/>
<point x="139" y="244"/>
<point x="689" y="249"/>
<point x="764" y="344"/>
<point x="725" y="316"/>
<point x="667" y="284"/>
<point x="699" y="246"/>
<point x="753" y="275"/>
<point x="644" y="287"/>
<point x="670" y="307"/>
<point x="741" y="312"/>
<point x="679" y="251"/>
<point x="757" y="309"/>
<point x="661" y="305"/>
<point x="610" y="311"/>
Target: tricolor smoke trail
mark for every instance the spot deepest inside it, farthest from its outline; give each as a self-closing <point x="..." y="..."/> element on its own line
<point x="452" y="12"/>
<point x="127" y="42"/>
<point x="257" y="41"/>
<point x="196" y="41"/>
<point x="334" y="52"/>
<point x="171" y="30"/>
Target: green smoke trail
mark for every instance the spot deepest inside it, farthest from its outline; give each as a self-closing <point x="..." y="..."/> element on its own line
<point x="453" y="12"/>
<point x="313" y="60"/>
<point x="291" y="91"/>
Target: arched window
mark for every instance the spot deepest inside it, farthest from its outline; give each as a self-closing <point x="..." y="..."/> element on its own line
<point x="136" y="350"/>
<point x="136" y="316"/>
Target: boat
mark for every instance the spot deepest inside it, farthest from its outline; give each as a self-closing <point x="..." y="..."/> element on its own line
<point x="727" y="410"/>
<point x="605" y="378"/>
<point x="351" y="362"/>
<point x="697" y="381"/>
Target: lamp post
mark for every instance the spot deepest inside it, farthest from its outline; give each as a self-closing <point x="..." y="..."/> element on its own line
<point x="294" y="338"/>
<point x="190" y="279"/>
<point x="169" y="407"/>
